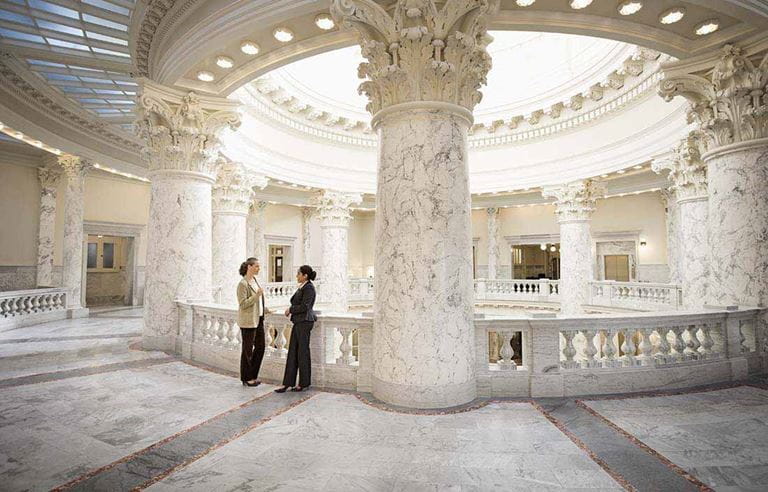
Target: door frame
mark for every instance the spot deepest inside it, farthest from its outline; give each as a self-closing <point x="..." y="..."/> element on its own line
<point x="133" y="234"/>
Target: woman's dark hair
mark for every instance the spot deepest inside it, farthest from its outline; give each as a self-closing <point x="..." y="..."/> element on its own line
<point x="307" y="270"/>
<point x="244" y="265"/>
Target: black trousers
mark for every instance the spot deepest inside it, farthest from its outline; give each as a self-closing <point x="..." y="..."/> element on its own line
<point x="298" y="356"/>
<point x="253" y="351"/>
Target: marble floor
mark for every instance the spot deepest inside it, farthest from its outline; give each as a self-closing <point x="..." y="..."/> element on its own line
<point x="81" y="408"/>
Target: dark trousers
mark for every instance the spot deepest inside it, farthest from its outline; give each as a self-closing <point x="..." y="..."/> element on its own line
<point x="253" y="351"/>
<point x="298" y="356"/>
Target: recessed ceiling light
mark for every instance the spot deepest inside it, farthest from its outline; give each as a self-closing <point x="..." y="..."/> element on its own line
<point x="707" y="27"/>
<point x="225" y="61"/>
<point x="324" y="22"/>
<point x="525" y="3"/>
<point x="283" y="34"/>
<point x="205" y="76"/>
<point x="249" y="48"/>
<point x="580" y="4"/>
<point x="630" y="7"/>
<point x="672" y="15"/>
<point x="620" y="171"/>
<point x="603" y="175"/>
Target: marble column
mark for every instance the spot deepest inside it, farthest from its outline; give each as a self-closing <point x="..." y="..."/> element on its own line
<point x="306" y="239"/>
<point x="256" y="245"/>
<point x="729" y="103"/>
<point x="688" y="175"/>
<point x="232" y="196"/>
<point x="49" y="180"/>
<point x="672" y="216"/>
<point x="493" y="242"/>
<point x="425" y="65"/>
<point x="73" y="271"/>
<point x="333" y="210"/>
<point x="575" y="203"/>
<point x="181" y="137"/>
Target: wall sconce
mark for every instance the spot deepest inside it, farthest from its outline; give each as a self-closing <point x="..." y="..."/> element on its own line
<point x="643" y="243"/>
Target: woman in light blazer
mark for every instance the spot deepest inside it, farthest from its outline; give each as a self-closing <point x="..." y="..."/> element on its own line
<point x="250" y="319"/>
<point x="303" y="317"/>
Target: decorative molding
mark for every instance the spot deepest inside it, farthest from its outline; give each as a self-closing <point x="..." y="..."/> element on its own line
<point x="152" y="15"/>
<point x="74" y="167"/>
<point x="687" y="172"/>
<point x="334" y="207"/>
<point x="420" y="53"/>
<point x="575" y="201"/>
<point x="233" y="190"/>
<point x="49" y="178"/>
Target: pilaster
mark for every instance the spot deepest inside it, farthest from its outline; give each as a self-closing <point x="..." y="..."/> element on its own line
<point x="49" y="177"/>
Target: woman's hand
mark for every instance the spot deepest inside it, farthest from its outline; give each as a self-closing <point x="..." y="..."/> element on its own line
<point x="287" y="312"/>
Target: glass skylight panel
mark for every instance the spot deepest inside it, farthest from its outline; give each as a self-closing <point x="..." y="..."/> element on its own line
<point x="108" y="6"/>
<point x="110" y="52"/>
<point x="107" y="39"/>
<point x="55" y="26"/>
<point x="21" y="36"/>
<point x="104" y="22"/>
<point x="52" y="8"/>
<point x="60" y="76"/>
<point x="46" y="63"/>
<point x="108" y="92"/>
<point x="17" y="18"/>
<point x="67" y="44"/>
<point x="76" y="90"/>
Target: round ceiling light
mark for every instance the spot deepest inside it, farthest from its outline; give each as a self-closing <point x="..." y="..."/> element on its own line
<point x="672" y="15"/>
<point x="283" y="34"/>
<point x="543" y="246"/>
<point x="205" y="76"/>
<point x="552" y="249"/>
<point x="525" y="3"/>
<point x="225" y="61"/>
<point x="249" y="48"/>
<point x="580" y="4"/>
<point x="707" y="27"/>
<point x="324" y="22"/>
<point x="630" y="7"/>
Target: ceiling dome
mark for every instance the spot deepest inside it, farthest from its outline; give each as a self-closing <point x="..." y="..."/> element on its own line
<point x="531" y="71"/>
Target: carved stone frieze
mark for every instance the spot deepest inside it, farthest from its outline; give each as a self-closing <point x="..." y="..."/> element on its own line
<point x="154" y="13"/>
<point x="687" y="171"/>
<point x="575" y="201"/>
<point x="728" y="102"/>
<point x="333" y="207"/>
<point x="233" y="190"/>
<point x="420" y="52"/>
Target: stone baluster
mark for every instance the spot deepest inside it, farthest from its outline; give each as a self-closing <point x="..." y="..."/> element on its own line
<point x="180" y="131"/>
<point x="425" y="65"/>
<point x="628" y="347"/>
<point x="346" y="347"/>
<point x="231" y="197"/>
<point x="493" y="242"/>
<point x="207" y="329"/>
<point x="678" y="344"/>
<point x="569" y="351"/>
<point x="729" y="103"/>
<point x="665" y="349"/>
<point x="280" y="349"/>
<point x="693" y="344"/>
<point x="268" y="340"/>
<point x="49" y="179"/>
<point x="73" y="271"/>
<point x="506" y="352"/>
<point x="575" y="203"/>
<point x="645" y="347"/>
<point x="609" y="349"/>
<point x="590" y="351"/>
<point x="707" y="343"/>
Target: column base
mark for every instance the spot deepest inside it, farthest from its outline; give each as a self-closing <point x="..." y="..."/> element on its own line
<point x="78" y="312"/>
<point x="413" y="396"/>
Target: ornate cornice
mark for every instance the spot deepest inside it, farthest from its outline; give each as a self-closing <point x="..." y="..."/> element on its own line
<point x="152" y="15"/>
<point x="181" y="133"/>
<point x="233" y="190"/>
<point x="420" y="52"/>
<point x="575" y="201"/>
<point x="729" y="102"/>
<point x="334" y="207"/>
<point x="687" y="172"/>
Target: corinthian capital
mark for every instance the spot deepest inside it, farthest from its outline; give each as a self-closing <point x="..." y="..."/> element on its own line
<point x="333" y="207"/>
<point x="49" y="179"/>
<point x="687" y="171"/>
<point x="233" y="190"/>
<point x="575" y="201"/>
<point x="728" y="100"/>
<point x="420" y="53"/>
<point x="74" y="167"/>
<point x="181" y="130"/>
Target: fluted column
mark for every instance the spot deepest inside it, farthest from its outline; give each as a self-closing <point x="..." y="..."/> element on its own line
<point x="425" y="66"/>
<point x="575" y="203"/>
<point x="729" y="103"/>
<point x="672" y="216"/>
<point x="333" y="209"/>
<point x="181" y="136"/>
<point x="306" y="239"/>
<point x="232" y="197"/>
<point x="256" y="244"/>
<point x="49" y="180"/>
<point x="75" y="170"/>
<point x="493" y="242"/>
<point x="688" y="175"/>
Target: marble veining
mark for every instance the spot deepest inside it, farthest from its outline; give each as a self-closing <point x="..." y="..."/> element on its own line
<point x="74" y="209"/>
<point x="493" y="242"/>
<point x="695" y="262"/>
<point x="576" y="265"/>
<point x="49" y="178"/>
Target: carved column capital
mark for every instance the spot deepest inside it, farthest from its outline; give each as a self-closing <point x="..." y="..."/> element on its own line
<point x="181" y="130"/>
<point x="492" y="211"/>
<point x="687" y="172"/>
<point x="73" y="166"/>
<point x="729" y="100"/>
<point x="333" y="207"/>
<point x="233" y="190"/>
<point x="418" y="52"/>
<point x="49" y="177"/>
<point x="575" y="201"/>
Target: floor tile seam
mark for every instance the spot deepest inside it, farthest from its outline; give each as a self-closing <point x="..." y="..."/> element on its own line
<point x="642" y="445"/>
<point x="662" y="393"/>
<point x="615" y="475"/>
<point x="73" y="338"/>
<point x="50" y="377"/>
<point x="221" y="443"/>
<point x="153" y="446"/>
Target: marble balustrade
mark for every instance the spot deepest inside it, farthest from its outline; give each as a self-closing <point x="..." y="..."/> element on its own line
<point x="26" y="307"/>
<point x="636" y="295"/>
<point x="590" y="354"/>
<point x="517" y="290"/>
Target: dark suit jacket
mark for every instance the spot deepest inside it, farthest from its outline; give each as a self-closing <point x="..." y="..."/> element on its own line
<point x="303" y="303"/>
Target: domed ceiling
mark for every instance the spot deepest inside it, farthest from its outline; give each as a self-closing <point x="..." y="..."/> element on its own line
<point x="530" y="71"/>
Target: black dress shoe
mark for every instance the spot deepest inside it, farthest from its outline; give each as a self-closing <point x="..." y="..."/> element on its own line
<point x="281" y="390"/>
<point x="298" y="388"/>
<point x="255" y="383"/>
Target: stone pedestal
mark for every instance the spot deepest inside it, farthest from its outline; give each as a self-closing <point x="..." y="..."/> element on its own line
<point x="493" y="242"/>
<point x="182" y="148"/>
<point x="575" y="203"/>
<point x="333" y="209"/>
<point x="232" y="196"/>
<point x="49" y="180"/>
<point x="425" y="65"/>
<point x="73" y="269"/>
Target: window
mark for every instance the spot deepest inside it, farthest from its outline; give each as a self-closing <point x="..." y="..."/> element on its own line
<point x="103" y="253"/>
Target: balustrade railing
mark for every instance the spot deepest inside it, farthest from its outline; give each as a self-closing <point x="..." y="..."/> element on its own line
<point x="16" y="306"/>
<point x="636" y="295"/>
<point x="543" y="290"/>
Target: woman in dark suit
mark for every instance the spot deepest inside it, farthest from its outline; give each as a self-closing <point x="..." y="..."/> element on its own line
<point x="303" y="317"/>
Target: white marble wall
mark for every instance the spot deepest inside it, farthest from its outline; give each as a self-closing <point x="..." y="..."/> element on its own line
<point x="423" y="332"/>
<point x="493" y="242"/>
<point x="575" y="266"/>
<point x="75" y="170"/>
<point x="694" y="264"/>
<point x="49" y="179"/>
